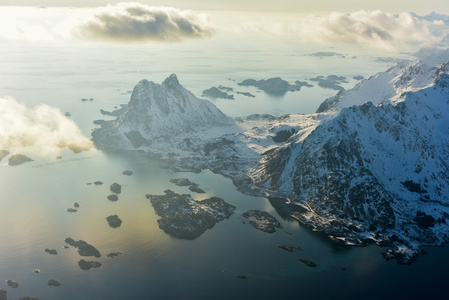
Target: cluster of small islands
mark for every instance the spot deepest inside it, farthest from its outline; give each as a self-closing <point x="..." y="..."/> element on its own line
<point x="277" y="86"/>
<point x="181" y="217"/>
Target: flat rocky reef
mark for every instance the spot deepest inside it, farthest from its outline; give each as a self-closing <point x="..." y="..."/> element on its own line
<point x="262" y="220"/>
<point x="185" y="218"/>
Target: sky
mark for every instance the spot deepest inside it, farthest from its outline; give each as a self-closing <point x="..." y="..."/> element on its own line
<point x="396" y="6"/>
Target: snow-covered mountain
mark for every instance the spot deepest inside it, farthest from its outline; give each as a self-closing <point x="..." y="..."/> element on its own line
<point x="159" y="111"/>
<point x="372" y="164"/>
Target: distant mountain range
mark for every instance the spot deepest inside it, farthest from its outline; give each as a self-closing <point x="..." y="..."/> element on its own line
<point x="371" y="165"/>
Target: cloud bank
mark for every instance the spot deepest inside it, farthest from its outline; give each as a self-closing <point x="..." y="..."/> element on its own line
<point x="123" y="22"/>
<point x="42" y="130"/>
<point x="140" y="22"/>
<point x="366" y="28"/>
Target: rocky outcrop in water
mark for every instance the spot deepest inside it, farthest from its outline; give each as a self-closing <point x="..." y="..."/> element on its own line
<point x="18" y="159"/>
<point x="84" y="249"/>
<point x="185" y="218"/>
<point x="116" y="188"/>
<point x="53" y="282"/>
<point x="275" y="86"/>
<point x="114" y="221"/>
<point x="262" y="220"/>
<point x="87" y="265"/>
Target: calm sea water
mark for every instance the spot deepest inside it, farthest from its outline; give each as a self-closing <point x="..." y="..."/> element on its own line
<point x="34" y="197"/>
<point x="154" y="265"/>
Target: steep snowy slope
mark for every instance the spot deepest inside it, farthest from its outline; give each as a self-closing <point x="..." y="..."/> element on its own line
<point x="373" y="171"/>
<point x="386" y="86"/>
<point x="159" y="111"/>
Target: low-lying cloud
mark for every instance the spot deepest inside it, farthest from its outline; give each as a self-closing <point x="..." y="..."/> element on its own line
<point x="366" y="28"/>
<point x="376" y="29"/>
<point x="42" y="130"/>
<point x="140" y="22"/>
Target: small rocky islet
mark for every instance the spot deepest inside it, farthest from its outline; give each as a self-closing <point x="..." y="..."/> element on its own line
<point x="262" y="220"/>
<point x="308" y="262"/>
<point x="116" y="188"/>
<point x="289" y="248"/>
<point x="114" y="221"/>
<point x="193" y="187"/>
<point x="112" y="198"/>
<point x="51" y="251"/>
<point x="113" y="254"/>
<point x="53" y="282"/>
<point x="12" y="283"/>
<point x="185" y="218"/>
<point x="87" y="265"/>
<point x="84" y="249"/>
<point x="18" y="159"/>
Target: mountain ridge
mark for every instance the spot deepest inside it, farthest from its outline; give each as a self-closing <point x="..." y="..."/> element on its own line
<point x="368" y="167"/>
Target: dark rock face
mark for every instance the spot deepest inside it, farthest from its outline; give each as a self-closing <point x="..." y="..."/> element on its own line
<point x="76" y="204"/>
<point x="135" y="138"/>
<point x="262" y="220"/>
<point x="283" y="135"/>
<point x="424" y="220"/>
<point x="53" y="282"/>
<point x="116" y="188"/>
<point x="98" y="183"/>
<point x="18" y="159"/>
<point x="84" y="249"/>
<point x="71" y="210"/>
<point x="114" y="221"/>
<point x="185" y="218"/>
<point x="27" y="298"/>
<point x="86" y="265"/>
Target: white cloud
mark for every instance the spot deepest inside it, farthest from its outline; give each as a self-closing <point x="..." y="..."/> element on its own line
<point x="139" y="22"/>
<point x="123" y="22"/>
<point x="366" y="28"/>
<point x="42" y="130"/>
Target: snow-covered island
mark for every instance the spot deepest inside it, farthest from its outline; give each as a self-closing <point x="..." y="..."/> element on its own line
<point x="371" y="165"/>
